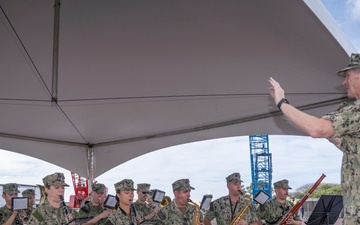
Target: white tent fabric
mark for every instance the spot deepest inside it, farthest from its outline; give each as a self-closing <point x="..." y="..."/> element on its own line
<point x="138" y="76"/>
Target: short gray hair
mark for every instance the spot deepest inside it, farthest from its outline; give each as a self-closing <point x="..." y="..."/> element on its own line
<point x="357" y="70"/>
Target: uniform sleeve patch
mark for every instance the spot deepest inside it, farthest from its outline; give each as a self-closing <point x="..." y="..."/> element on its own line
<point x="37" y="215"/>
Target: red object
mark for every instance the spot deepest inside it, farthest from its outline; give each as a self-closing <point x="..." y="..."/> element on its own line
<point x="81" y="188"/>
<point x="296" y="207"/>
<point x="72" y="201"/>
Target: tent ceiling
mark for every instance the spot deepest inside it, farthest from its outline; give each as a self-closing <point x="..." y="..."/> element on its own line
<point x="137" y="76"/>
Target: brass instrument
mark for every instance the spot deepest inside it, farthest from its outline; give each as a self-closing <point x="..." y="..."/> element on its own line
<point x="197" y="212"/>
<point x="166" y="200"/>
<point x="42" y="193"/>
<point x="23" y="216"/>
<point x="242" y="212"/>
<point x="149" y="203"/>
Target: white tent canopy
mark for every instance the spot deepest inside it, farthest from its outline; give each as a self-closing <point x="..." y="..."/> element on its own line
<point x="137" y="76"/>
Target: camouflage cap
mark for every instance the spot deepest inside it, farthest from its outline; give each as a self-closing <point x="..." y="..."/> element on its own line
<point x="126" y="184"/>
<point x="28" y="192"/>
<point x="233" y="178"/>
<point x="354" y="63"/>
<point x="182" y="184"/>
<point x="55" y="179"/>
<point x="98" y="188"/>
<point x="144" y="187"/>
<point x="282" y="184"/>
<point x="10" y="188"/>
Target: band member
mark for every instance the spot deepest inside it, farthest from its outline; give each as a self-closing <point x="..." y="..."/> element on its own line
<point x="144" y="202"/>
<point x="30" y="194"/>
<point x="95" y="206"/>
<point x="227" y="208"/>
<point x="126" y="213"/>
<point x="7" y="215"/>
<point x="275" y="209"/>
<point x="341" y="127"/>
<point x="53" y="210"/>
<point x="180" y="211"/>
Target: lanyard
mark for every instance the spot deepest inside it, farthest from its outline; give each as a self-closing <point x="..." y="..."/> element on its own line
<point x="231" y="209"/>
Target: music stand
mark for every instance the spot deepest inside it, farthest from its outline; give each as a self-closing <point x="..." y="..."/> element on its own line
<point x="205" y="202"/>
<point x="326" y="211"/>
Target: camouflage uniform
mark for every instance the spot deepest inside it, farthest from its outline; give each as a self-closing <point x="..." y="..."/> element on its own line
<point x="5" y="212"/>
<point x="119" y="217"/>
<point x="27" y="193"/>
<point x="171" y="214"/>
<point x="273" y="211"/>
<point x="224" y="211"/>
<point x="45" y="213"/>
<point x="346" y="124"/>
<point x="144" y="208"/>
<point x="89" y="209"/>
<point x="221" y="210"/>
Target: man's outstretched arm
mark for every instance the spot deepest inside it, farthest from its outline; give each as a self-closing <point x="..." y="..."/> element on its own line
<point x="311" y="125"/>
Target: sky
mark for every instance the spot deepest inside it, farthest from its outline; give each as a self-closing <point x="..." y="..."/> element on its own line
<point x="301" y="160"/>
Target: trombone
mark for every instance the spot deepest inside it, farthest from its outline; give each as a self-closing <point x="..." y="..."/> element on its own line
<point x="166" y="200"/>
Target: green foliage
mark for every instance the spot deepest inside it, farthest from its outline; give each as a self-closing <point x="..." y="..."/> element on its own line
<point x="322" y="189"/>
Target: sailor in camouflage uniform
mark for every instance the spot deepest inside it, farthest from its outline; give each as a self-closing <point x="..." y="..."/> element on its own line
<point x="51" y="211"/>
<point x="10" y="191"/>
<point x="30" y="194"/>
<point x="125" y="213"/>
<point x="341" y="127"/>
<point x="95" y="207"/>
<point x="226" y="208"/>
<point x="275" y="209"/>
<point x="180" y="211"/>
<point x="144" y="203"/>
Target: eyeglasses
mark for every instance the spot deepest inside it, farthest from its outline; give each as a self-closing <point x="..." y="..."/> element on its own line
<point x="145" y="192"/>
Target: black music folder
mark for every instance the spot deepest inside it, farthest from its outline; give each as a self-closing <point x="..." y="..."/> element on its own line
<point x="326" y="211"/>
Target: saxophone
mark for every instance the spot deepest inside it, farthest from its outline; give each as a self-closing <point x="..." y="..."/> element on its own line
<point x="196" y="220"/>
<point x="242" y="212"/>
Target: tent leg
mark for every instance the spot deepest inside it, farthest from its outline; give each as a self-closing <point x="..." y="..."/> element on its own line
<point x="55" y="51"/>
<point x="90" y="164"/>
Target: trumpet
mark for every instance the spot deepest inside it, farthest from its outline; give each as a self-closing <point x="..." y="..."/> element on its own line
<point x="149" y="203"/>
<point x="23" y="216"/>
